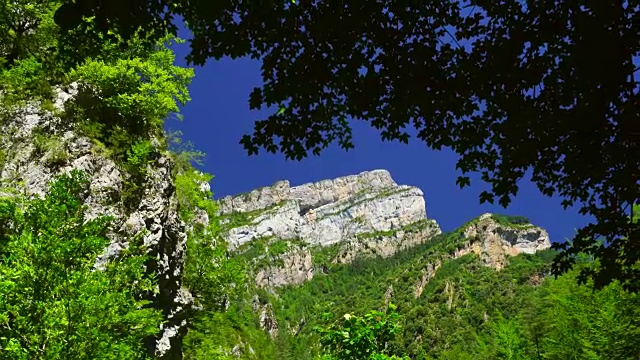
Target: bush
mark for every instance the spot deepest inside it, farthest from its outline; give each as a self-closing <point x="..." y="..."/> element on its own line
<point x="53" y="303"/>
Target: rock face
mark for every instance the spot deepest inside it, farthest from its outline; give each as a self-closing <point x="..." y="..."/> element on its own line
<point x="497" y="241"/>
<point x="26" y="160"/>
<point x="266" y="316"/>
<point x="328" y="211"/>
<point x="297" y="267"/>
<point x="428" y="272"/>
<point x="366" y="213"/>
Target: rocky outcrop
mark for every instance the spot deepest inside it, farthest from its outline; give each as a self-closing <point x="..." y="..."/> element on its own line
<point x="497" y="241"/>
<point x="387" y="243"/>
<point x="27" y="161"/>
<point x="428" y="273"/>
<point x="366" y="214"/>
<point x="325" y="212"/>
<point x="297" y="267"/>
<point x="493" y="242"/>
<point x="266" y="316"/>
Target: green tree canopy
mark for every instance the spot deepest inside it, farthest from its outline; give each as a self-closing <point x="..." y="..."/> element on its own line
<point x="514" y="86"/>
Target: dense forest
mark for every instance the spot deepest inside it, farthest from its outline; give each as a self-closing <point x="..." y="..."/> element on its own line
<point x="55" y="303"/>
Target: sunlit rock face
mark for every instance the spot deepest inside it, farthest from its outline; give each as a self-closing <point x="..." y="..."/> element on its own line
<point x="328" y="211"/>
<point x="497" y="241"/>
<point x="359" y="215"/>
<point x="368" y="214"/>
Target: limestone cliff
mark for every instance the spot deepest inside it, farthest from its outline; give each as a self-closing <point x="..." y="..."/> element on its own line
<point x="497" y="241"/>
<point x="362" y="214"/>
<point x="358" y="215"/>
<point x="26" y="161"/>
<point x="328" y="211"/>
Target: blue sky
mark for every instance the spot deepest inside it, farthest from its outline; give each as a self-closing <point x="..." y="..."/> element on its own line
<point x="219" y="115"/>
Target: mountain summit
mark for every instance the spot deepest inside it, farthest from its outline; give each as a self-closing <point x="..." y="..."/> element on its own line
<point x="367" y="214"/>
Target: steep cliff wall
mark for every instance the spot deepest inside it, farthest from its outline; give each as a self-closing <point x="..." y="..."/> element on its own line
<point x="326" y="212"/>
<point x="36" y="146"/>
<point x="364" y="214"/>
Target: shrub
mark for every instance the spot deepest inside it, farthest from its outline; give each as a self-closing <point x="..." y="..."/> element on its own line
<point x="53" y="303"/>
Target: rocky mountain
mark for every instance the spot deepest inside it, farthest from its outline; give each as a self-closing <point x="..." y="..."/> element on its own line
<point x="357" y="242"/>
<point x="328" y="211"/>
<point x="358" y="215"/>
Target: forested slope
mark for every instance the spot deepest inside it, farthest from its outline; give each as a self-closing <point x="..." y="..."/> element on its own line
<point x="465" y="310"/>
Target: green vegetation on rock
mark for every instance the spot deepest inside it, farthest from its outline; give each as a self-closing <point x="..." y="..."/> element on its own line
<point x="50" y="147"/>
<point x="126" y="90"/>
<point x="53" y="304"/>
<point x="407" y="229"/>
<point x="517" y="222"/>
<point x="238" y="218"/>
<point x="465" y="310"/>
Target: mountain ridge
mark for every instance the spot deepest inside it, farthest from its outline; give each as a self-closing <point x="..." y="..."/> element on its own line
<point x="366" y="214"/>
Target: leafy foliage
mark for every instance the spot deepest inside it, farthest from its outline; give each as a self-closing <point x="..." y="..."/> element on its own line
<point x="513" y="88"/>
<point x="125" y="103"/>
<point x="139" y="156"/>
<point x="213" y="278"/>
<point x="520" y="222"/>
<point x="127" y="98"/>
<point x="53" y="303"/>
<point x="190" y="195"/>
<point x="127" y="86"/>
<point x="27" y="46"/>
<point x="357" y="338"/>
<point x="209" y="274"/>
<point x="51" y="147"/>
<point x="26" y="78"/>
<point x="139" y="91"/>
<point x="214" y="334"/>
<point x="184" y="155"/>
